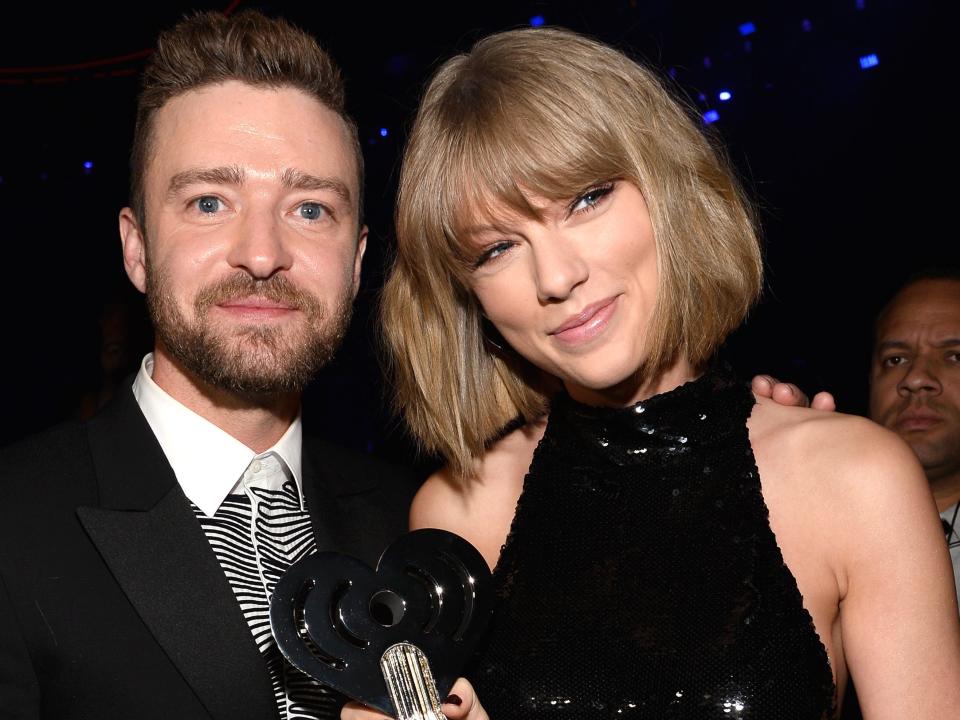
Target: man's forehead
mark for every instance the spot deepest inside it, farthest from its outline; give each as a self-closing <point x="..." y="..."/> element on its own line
<point x="237" y="117"/>
<point x="928" y="306"/>
<point x="923" y="301"/>
<point x="271" y="112"/>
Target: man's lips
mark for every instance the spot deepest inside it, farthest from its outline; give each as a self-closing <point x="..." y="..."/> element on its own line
<point x="914" y="420"/>
<point x="587" y="323"/>
<point x="256" y="302"/>
<point x="256" y="307"/>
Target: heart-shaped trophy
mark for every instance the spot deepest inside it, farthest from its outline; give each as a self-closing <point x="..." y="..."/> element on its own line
<point x="376" y="636"/>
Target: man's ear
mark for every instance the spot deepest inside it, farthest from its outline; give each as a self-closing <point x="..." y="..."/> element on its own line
<point x="134" y="249"/>
<point x="358" y="258"/>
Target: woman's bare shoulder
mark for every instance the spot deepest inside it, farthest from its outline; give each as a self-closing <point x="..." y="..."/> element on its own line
<point x="480" y="507"/>
<point x="852" y="494"/>
<point x="852" y="471"/>
<point x="843" y="445"/>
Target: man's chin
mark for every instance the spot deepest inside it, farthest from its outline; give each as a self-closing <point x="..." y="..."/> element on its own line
<point x="252" y="360"/>
<point x="250" y="376"/>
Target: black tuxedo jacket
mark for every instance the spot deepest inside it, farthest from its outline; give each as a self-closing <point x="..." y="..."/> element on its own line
<point x="112" y="603"/>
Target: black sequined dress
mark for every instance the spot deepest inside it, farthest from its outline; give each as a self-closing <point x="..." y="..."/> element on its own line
<point x="641" y="578"/>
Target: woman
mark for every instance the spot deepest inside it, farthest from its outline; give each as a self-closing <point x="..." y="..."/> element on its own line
<point x="571" y="252"/>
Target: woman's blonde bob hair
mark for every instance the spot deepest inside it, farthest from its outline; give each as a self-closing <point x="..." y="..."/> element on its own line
<point x="548" y="113"/>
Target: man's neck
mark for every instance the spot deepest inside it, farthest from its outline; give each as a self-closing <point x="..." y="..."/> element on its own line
<point x="258" y="423"/>
<point x="946" y="490"/>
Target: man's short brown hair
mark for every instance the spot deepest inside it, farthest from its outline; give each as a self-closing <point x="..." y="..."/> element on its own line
<point x="210" y="48"/>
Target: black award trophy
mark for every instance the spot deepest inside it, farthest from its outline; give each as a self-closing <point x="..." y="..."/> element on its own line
<point x="376" y="636"/>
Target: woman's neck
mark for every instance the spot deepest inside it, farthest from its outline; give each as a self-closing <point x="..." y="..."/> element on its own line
<point x="635" y="388"/>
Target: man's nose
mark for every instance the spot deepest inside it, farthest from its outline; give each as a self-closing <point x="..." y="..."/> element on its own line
<point x="259" y="246"/>
<point x="920" y="377"/>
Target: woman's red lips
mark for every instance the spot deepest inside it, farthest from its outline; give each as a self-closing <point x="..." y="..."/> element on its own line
<point x="583" y="316"/>
<point x="587" y="323"/>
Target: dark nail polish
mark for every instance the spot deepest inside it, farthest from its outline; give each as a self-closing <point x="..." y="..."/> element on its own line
<point x="453" y="700"/>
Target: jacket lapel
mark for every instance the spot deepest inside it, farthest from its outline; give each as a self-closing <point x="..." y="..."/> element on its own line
<point x="150" y="539"/>
<point x="320" y="499"/>
<point x="341" y="496"/>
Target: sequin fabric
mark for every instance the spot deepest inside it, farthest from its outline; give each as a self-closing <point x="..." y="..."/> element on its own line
<point x="641" y="578"/>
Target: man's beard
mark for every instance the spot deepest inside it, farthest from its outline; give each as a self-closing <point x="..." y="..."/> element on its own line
<point x="251" y="360"/>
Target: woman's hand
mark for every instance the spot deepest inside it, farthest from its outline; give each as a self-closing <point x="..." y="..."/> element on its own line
<point x="789" y="394"/>
<point x="461" y="704"/>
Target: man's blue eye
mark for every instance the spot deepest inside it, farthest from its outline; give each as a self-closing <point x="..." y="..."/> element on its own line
<point x="311" y="211"/>
<point x="208" y="204"/>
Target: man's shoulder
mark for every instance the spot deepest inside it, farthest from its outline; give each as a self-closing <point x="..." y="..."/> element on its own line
<point x="51" y="468"/>
<point x="355" y="472"/>
<point x="57" y="447"/>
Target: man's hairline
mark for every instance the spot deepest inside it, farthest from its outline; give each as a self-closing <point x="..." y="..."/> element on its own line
<point x="351" y="143"/>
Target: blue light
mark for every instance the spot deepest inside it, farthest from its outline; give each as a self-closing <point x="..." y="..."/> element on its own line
<point x="537" y="21"/>
<point x="806" y="25"/>
<point x="383" y="132"/>
<point x="861" y="4"/>
<point x="869" y="61"/>
<point x="747" y="28"/>
<point x="724" y="95"/>
<point x="88" y="165"/>
<point x="711" y="116"/>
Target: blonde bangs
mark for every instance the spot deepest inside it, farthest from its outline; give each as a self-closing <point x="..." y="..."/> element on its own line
<point x="506" y="150"/>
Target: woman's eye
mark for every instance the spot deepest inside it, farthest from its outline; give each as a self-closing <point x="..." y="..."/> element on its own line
<point x="591" y="198"/>
<point x="208" y="204"/>
<point x="310" y="211"/>
<point x="492" y="253"/>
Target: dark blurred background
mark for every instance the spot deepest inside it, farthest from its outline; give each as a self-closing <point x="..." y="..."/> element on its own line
<point x="835" y="113"/>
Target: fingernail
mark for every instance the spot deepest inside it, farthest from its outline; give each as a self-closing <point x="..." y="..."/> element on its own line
<point x="453" y="700"/>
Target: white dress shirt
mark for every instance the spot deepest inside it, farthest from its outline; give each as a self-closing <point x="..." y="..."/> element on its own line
<point x="208" y="462"/>
<point x="951" y="519"/>
<point x="251" y="509"/>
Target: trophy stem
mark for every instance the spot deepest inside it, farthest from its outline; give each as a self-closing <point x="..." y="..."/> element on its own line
<point x="410" y="683"/>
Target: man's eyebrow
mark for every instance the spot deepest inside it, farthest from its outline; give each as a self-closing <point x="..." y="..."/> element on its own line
<point x="298" y="180"/>
<point x="892" y="345"/>
<point x="901" y="344"/>
<point x="291" y="178"/>
<point x="226" y="175"/>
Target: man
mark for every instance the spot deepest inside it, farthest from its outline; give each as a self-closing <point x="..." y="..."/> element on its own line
<point x="138" y="551"/>
<point x="915" y="385"/>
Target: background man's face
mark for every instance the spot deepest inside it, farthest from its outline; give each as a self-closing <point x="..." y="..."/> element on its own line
<point x="915" y="375"/>
<point x="252" y="242"/>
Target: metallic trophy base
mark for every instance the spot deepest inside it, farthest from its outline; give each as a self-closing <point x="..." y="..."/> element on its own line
<point x="410" y="682"/>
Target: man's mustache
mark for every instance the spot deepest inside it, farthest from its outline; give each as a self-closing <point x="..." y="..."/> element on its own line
<point x="276" y="288"/>
<point x="913" y="403"/>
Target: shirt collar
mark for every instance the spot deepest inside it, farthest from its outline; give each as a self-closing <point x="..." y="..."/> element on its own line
<point x="208" y="462"/>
